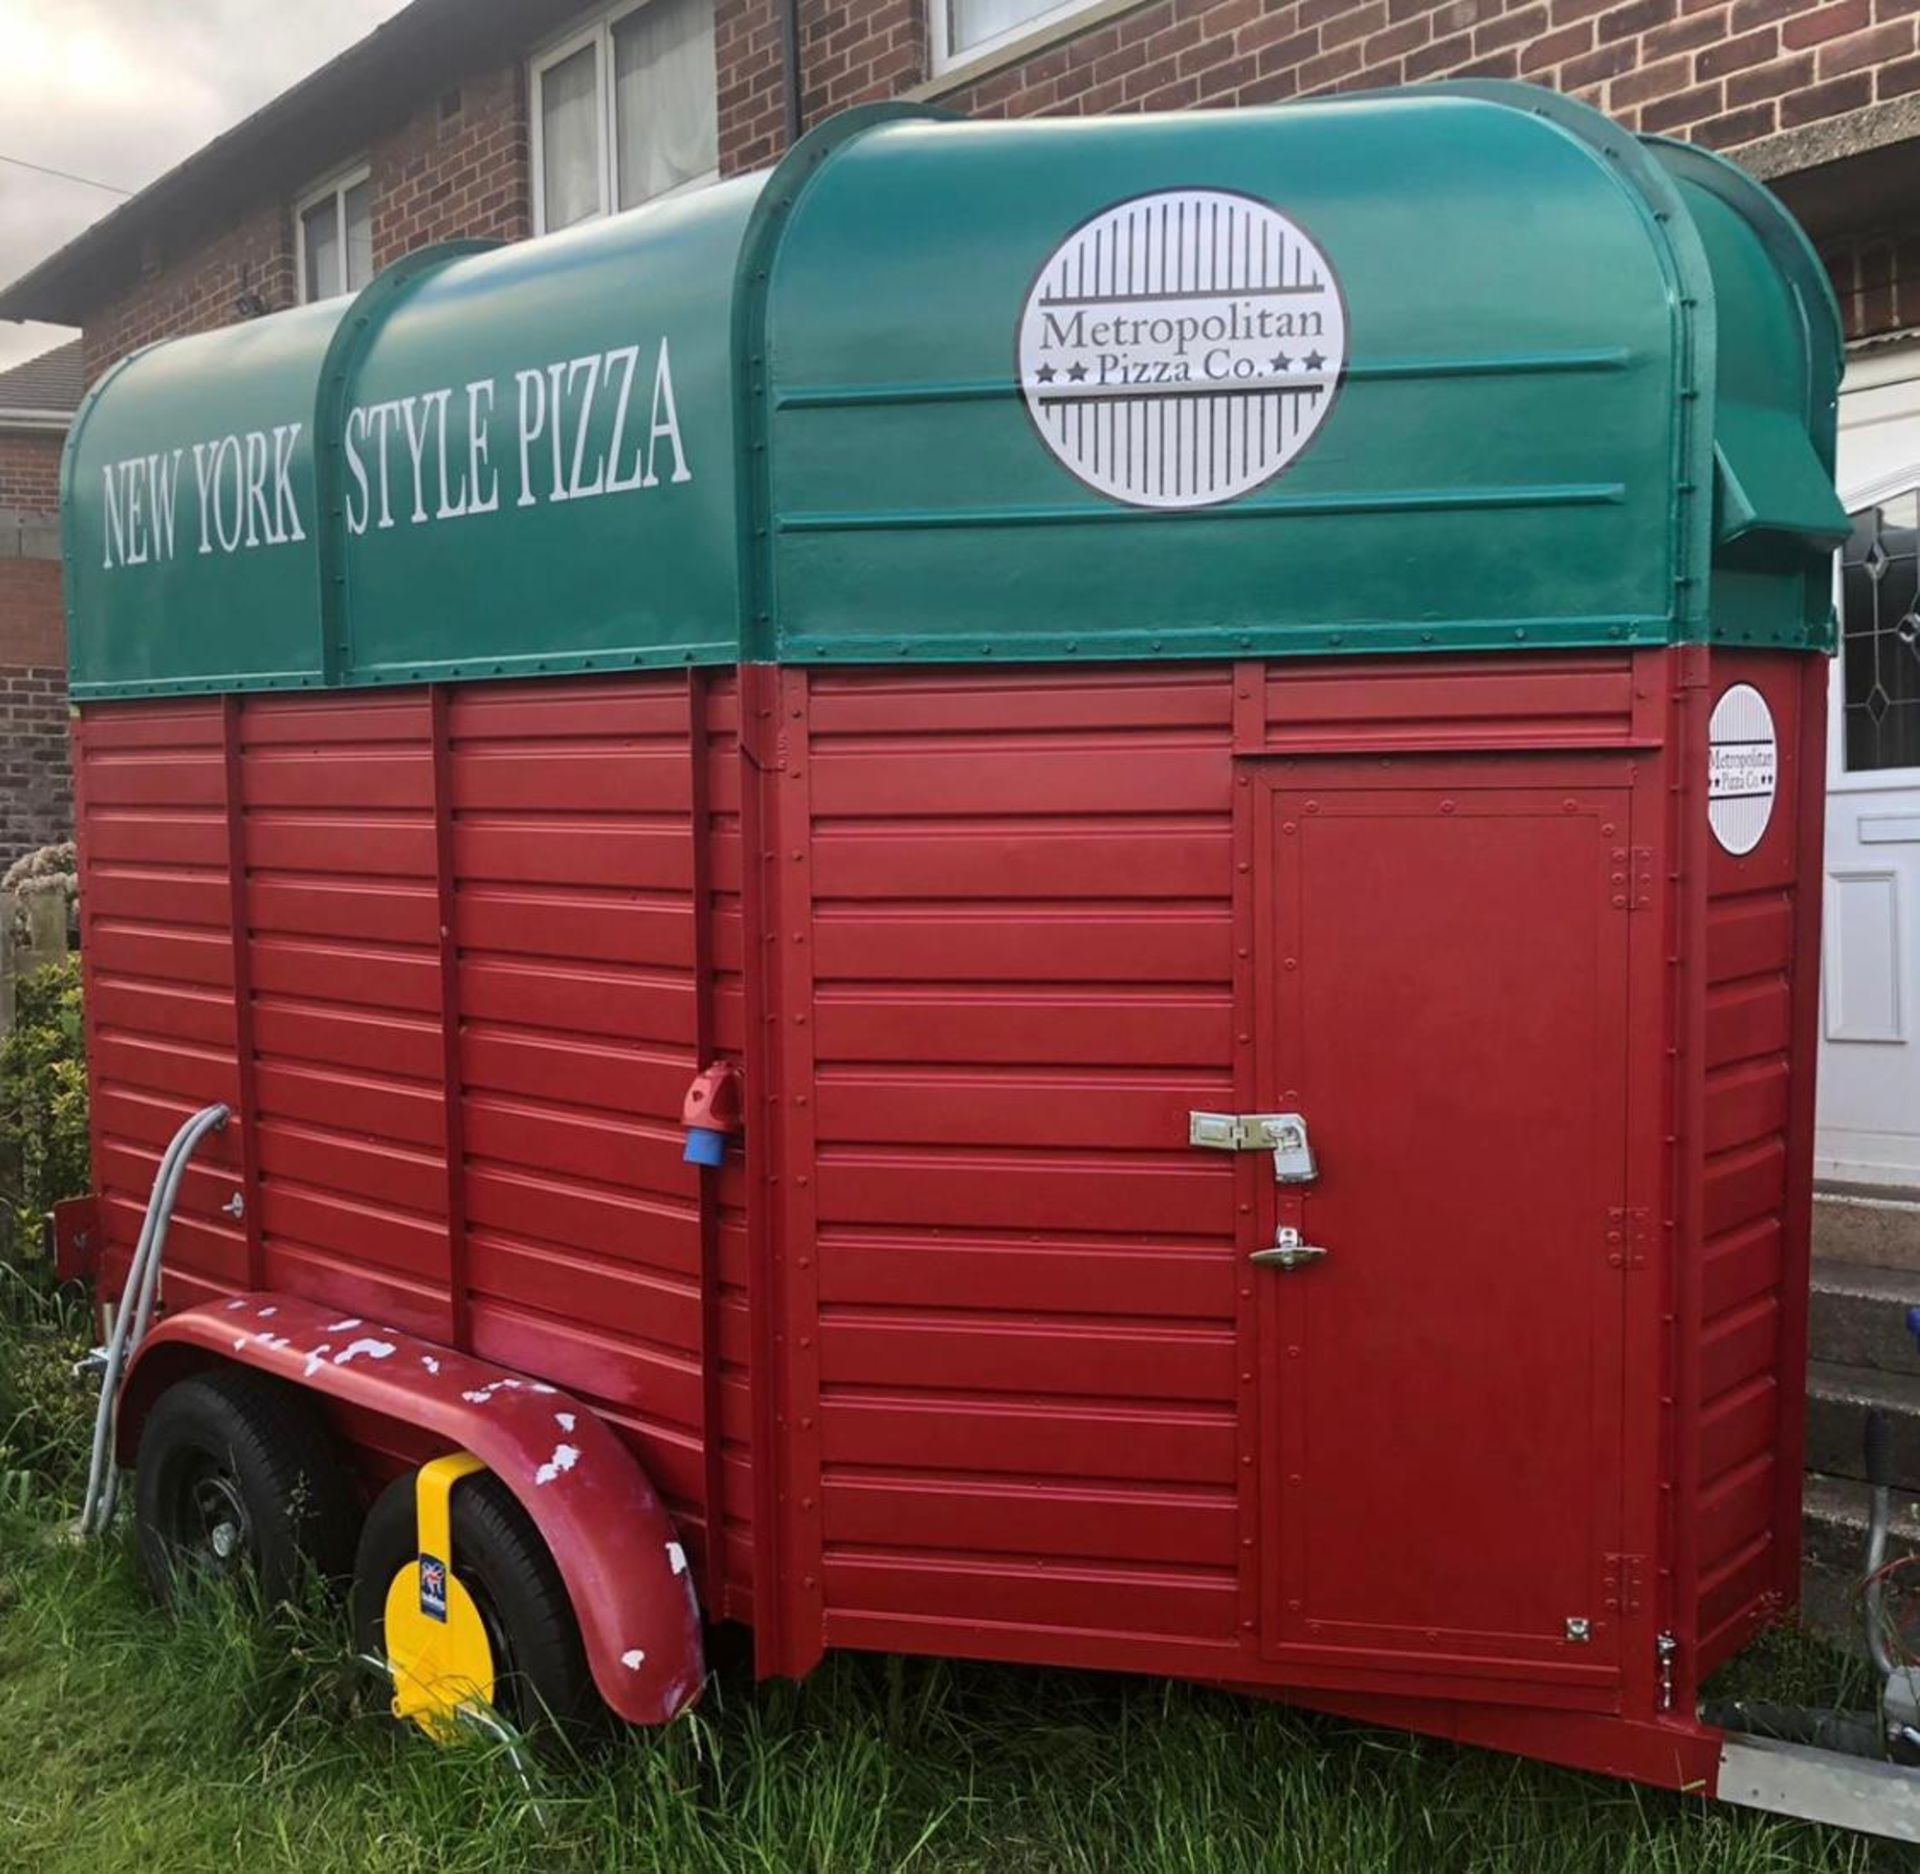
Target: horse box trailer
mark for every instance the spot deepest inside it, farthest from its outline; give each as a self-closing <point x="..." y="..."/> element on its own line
<point x="1044" y="891"/>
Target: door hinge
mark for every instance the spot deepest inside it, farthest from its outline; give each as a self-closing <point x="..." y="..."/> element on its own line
<point x="1627" y="1237"/>
<point x="1630" y="877"/>
<point x="1624" y="1583"/>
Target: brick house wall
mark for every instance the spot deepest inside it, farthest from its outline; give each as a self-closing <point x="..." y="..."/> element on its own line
<point x="460" y="168"/>
<point x="36" y="805"/>
<point x="36" y="789"/>
<point x="457" y="167"/>
<point x="30" y="470"/>
<point x="1720" y="72"/>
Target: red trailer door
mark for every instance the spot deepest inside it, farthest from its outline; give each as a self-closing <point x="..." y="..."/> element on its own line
<point x="1441" y="974"/>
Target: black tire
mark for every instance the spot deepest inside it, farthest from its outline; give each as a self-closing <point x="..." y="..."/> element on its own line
<point x="541" y="1674"/>
<point x="238" y="1476"/>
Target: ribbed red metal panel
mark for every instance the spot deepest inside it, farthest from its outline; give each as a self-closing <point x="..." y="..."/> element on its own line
<point x="963" y="1354"/>
<point x="460" y="948"/>
<point x="1022" y="939"/>
<point x="574" y="921"/>
<point x="151" y="810"/>
<point x="1761" y="992"/>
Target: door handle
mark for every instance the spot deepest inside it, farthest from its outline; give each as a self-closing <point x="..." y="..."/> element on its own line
<point x="1288" y="1252"/>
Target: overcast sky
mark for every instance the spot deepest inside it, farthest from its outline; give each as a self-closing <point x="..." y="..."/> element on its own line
<point x="121" y="90"/>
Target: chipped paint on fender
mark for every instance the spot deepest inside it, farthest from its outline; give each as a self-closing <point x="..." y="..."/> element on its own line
<point x="609" y="1507"/>
<point x="372" y="1349"/>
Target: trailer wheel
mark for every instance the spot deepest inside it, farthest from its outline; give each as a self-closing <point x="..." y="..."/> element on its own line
<point x="540" y="1664"/>
<point x="237" y="1477"/>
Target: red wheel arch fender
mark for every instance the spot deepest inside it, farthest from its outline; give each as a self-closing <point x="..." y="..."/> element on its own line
<point x="628" y="1578"/>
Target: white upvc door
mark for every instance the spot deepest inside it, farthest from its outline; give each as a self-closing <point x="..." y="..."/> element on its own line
<point x="1869" y="1101"/>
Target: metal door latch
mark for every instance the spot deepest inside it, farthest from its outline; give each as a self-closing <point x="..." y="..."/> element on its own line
<point x="1288" y="1251"/>
<point x="1282" y="1134"/>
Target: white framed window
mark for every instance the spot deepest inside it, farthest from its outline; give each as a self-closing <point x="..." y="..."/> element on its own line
<point x="624" y="109"/>
<point x="1877" y="703"/>
<point x="964" y="30"/>
<point x="333" y="236"/>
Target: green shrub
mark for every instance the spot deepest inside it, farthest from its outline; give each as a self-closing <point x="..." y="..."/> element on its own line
<point x="44" y="1415"/>
<point x="43" y="1106"/>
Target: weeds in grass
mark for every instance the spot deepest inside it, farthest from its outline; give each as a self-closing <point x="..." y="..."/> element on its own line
<point x="215" y="1738"/>
<point x="212" y="1737"/>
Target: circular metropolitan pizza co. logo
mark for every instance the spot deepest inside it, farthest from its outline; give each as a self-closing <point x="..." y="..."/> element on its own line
<point x="1182" y="348"/>
<point x="1743" y="768"/>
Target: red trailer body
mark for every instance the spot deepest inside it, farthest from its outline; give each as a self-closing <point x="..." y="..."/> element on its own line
<point x="964" y="1353"/>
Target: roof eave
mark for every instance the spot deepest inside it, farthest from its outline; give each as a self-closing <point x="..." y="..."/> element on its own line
<point x="309" y="126"/>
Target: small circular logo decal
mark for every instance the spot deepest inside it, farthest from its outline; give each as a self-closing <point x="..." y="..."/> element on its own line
<point x="1743" y="768"/>
<point x="1182" y="348"/>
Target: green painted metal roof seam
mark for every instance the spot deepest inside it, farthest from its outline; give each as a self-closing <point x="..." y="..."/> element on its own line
<point x="753" y="274"/>
<point x="1409" y="501"/>
<point x="352" y="338"/>
<point x="1673" y="240"/>
<point x="1519" y="364"/>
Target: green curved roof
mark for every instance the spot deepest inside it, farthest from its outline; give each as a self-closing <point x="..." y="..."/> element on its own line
<point x="1458" y="367"/>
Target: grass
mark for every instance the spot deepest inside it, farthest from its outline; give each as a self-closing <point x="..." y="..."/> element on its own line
<point x="216" y="1740"/>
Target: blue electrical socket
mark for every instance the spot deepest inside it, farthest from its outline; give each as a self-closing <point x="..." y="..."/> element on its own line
<point x="1913" y="1326"/>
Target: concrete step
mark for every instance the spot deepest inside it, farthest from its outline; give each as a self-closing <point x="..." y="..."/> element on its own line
<point x="1838" y="1400"/>
<point x="1877" y="1228"/>
<point x="1859" y="1316"/>
<point x="1834" y="1549"/>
